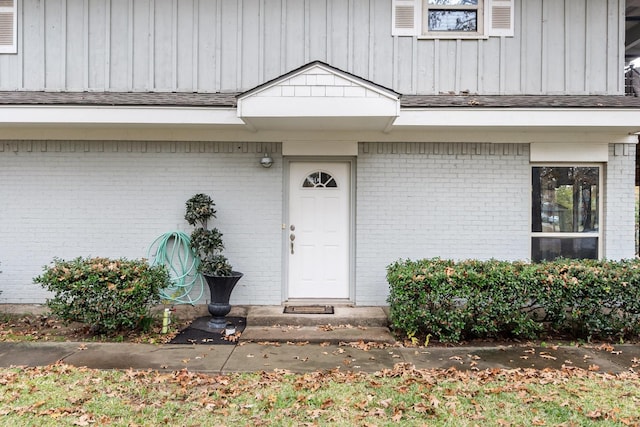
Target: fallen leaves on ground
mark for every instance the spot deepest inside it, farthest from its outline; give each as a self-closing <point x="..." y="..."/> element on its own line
<point x="402" y="394"/>
<point x="48" y="328"/>
<point x="365" y="346"/>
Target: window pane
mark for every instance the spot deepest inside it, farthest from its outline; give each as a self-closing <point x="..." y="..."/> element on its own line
<point x="454" y="2"/>
<point x="565" y="199"/>
<point x="550" y="248"/>
<point x="453" y="20"/>
<point x="319" y="180"/>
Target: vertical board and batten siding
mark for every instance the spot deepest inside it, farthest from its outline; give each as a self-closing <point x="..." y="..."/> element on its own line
<point x="559" y="47"/>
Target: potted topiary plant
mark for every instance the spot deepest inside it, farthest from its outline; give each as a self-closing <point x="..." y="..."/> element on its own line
<point x="214" y="266"/>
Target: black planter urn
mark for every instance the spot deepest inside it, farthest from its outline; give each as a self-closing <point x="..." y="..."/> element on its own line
<point x="220" y="288"/>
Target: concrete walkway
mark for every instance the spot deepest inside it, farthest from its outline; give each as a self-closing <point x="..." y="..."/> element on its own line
<point x="353" y="338"/>
<point x="302" y="357"/>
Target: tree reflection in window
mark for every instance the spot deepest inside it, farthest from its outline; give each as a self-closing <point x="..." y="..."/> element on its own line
<point x="565" y="199"/>
<point x="319" y="180"/>
<point x="565" y="219"/>
<point x="453" y="20"/>
<point x="453" y="15"/>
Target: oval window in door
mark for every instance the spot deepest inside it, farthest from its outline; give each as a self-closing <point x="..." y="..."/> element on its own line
<point x="319" y="179"/>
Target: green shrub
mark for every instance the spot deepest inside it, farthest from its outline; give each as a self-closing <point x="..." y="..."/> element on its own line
<point x="453" y="301"/>
<point x="110" y="295"/>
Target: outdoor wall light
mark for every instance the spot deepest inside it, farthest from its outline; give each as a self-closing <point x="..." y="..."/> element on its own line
<point x="266" y="161"/>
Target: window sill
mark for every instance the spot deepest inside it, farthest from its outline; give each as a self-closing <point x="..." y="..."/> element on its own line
<point x="565" y="234"/>
<point x="456" y="36"/>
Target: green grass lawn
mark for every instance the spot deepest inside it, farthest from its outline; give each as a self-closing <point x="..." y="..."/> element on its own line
<point x="62" y="395"/>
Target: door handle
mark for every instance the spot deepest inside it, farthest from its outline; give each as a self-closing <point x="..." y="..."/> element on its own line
<point x="292" y="237"/>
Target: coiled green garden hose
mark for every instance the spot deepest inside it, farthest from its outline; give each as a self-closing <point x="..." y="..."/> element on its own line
<point x="173" y="250"/>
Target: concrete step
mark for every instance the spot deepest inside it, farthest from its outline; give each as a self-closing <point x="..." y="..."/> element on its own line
<point x="347" y="324"/>
<point x="343" y="315"/>
<point x="317" y="334"/>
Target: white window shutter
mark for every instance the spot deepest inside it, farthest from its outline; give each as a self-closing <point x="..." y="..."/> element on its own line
<point x="8" y="26"/>
<point x="500" y="18"/>
<point x="405" y="19"/>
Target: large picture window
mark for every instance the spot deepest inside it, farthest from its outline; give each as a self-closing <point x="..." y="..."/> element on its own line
<point x="565" y="219"/>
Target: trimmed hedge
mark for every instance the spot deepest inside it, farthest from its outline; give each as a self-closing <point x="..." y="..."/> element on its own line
<point x="454" y="301"/>
<point x="110" y="295"/>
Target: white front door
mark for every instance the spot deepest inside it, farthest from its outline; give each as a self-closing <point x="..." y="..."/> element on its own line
<point x="318" y="230"/>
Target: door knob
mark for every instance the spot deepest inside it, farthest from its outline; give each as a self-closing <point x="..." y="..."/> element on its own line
<point x="292" y="237"/>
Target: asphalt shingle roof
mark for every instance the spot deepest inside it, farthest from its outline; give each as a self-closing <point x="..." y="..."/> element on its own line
<point x="520" y="101"/>
<point x="168" y="99"/>
<point x="188" y="99"/>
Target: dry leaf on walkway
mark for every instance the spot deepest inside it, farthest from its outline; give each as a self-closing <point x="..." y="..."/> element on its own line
<point x="605" y="347"/>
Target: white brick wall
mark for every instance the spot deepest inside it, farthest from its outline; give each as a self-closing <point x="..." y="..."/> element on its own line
<point x="114" y="198"/>
<point x="414" y="200"/>
<point x="421" y="200"/>
<point x="619" y="202"/>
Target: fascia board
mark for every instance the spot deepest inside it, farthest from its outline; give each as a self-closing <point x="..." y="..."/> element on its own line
<point x="318" y="107"/>
<point x="118" y="115"/>
<point x="214" y="132"/>
<point x="387" y="93"/>
<point x="518" y="117"/>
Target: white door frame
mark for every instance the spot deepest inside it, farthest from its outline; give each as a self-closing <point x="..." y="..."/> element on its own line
<point x="351" y="161"/>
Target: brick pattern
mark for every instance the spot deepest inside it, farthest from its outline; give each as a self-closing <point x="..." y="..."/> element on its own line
<point x="417" y="200"/>
<point x="619" y="226"/>
<point x="114" y="199"/>
<point x="414" y="200"/>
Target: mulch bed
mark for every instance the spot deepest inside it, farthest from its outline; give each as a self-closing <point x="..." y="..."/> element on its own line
<point x="198" y="332"/>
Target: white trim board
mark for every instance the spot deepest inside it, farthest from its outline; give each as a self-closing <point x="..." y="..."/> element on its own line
<point x="319" y="148"/>
<point x="559" y="152"/>
<point x="118" y="115"/>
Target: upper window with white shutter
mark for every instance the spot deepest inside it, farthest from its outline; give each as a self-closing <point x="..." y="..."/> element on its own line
<point x="8" y="26"/>
<point x="452" y="18"/>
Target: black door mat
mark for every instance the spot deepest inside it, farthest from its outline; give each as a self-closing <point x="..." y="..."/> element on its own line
<point x="199" y="332"/>
<point x="308" y="309"/>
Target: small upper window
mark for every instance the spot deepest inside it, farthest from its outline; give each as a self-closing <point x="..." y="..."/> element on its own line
<point x="452" y="18"/>
<point x="319" y="180"/>
<point x="8" y="26"/>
